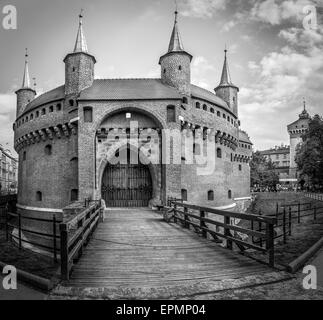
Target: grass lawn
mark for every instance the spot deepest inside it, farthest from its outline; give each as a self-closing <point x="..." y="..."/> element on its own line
<point x="27" y="260"/>
<point x="304" y="235"/>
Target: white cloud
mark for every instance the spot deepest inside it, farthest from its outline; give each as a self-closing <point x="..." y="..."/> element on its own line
<point x="275" y="12"/>
<point x="201" y="8"/>
<point x="201" y="70"/>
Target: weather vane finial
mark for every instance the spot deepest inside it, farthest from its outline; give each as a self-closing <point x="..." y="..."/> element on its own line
<point x="35" y="84"/>
<point x="81" y="15"/>
<point x="176" y="10"/>
<point x="26" y="53"/>
<point x="304" y="102"/>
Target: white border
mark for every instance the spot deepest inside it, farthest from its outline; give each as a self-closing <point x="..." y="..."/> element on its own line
<point x="39" y="209"/>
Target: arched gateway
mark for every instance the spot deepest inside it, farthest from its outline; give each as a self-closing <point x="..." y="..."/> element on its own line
<point x="126" y="184"/>
<point x="126" y="175"/>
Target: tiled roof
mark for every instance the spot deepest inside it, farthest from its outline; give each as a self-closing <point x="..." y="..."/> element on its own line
<point x="129" y="89"/>
<point x="52" y="95"/>
<point x="207" y="95"/>
<point x="243" y="136"/>
<point x="280" y="150"/>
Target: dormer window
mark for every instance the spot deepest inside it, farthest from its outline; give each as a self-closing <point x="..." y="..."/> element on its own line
<point x="71" y="102"/>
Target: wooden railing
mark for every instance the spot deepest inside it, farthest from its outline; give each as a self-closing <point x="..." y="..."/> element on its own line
<point x="315" y="196"/>
<point x="15" y="221"/>
<point x="200" y="218"/>
<point x="288" y="215"/>
<point x="75" y="234"/>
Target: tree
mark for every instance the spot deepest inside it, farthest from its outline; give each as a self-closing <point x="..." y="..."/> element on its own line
<point x="309" y="154"/>
<point x="262" y="171"/>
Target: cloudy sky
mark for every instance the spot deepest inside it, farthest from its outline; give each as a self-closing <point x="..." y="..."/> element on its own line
<point x="273" y="59"/>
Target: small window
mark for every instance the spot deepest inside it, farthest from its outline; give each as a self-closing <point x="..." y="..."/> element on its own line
<point x="26" y="119"/>
<point x="39" y="196"/>
<point x="71" y="102"/>
<point x="230" y="194"/>
<point x="240" y="167"/>
<point x="210" y="195"/>
<point x="24" y="156"/>
<point x="88" y="114"/>
<point x="43" y="111"/>
<point x="164" y="70"/>
<point x="204" y="107"/>
<point x="212" y="110"/>
<point x="171" y="114"/>
<point x="218" y="113"/>
<point x="198" y="105"/>
<point x="51" y="109"/>
<point x="185" y="100"/>
<point x="73" y="69"/>
<point x="228" y="119"/>
<point x="74" y="195"/>
<point x="48" y="150"/>
<point x="180" y="68"/>
<point x="184" y="194"/>
<point x="219" y="153"/>
<point x="224" y="116"/>
<point x="231" y="157"/>
<point x="58" y="107"/>
<point x="37" y="114"/>
<point x="31" y="117"/>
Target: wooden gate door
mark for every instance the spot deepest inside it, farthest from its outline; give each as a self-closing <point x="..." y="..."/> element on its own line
<point x="126" y="185"/>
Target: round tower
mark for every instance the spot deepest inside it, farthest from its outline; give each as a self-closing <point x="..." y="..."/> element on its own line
<point x="226" y="90"/>
<point x="79" y="65"/>
<point x="25" y="94"/>
<point x="296" y="130"/>
<point x="176" y="63"/>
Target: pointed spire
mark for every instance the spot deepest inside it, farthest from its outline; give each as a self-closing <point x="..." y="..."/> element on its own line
<point x="80" y="44"/>
<point x="304" y="114"/>
<point x="175" y="43"/>
<point x="225" y="77"/>
<point x="26" y="79"/>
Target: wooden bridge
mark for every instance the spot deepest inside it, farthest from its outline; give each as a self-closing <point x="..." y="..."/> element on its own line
<point x="136" y="248"/>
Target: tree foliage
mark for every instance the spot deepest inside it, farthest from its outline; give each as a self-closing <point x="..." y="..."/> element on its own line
<point x="309" y="154"/>
<point x="262" y="171"/>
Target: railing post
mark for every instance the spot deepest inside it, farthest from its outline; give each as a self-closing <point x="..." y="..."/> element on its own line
<point x="314" y="212"/>
<point x="202" y="224"/>
<point x="259" y="229"/>
<point x="252" y="228"/>
<point x="227" y="232"/>
<point x="270" y="244"/>
<point x="7" y="223"/>
<point x="175" y="212"/>
<point x="64" y="252"/>
<point x="299" y="213"/>
<point x="290" y="221"/>
<point x="284" y="225"/>
<point x="54" y="239"/>
<point x="19" y="229"/>
<point x="187" y="225"/>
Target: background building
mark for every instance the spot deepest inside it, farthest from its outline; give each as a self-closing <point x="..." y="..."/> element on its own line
<point x="8" y="171"/>
<point x="283" y="157"/>
<point x="280" y="157"/>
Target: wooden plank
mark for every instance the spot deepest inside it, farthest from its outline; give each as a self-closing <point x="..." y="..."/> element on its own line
<point x="136" y="248"/>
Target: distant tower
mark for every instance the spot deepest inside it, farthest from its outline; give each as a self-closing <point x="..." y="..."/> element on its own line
<point x="176" y="63"/>
<point x="296" y="131"/>
<point x="79" y="65"/>
<point x="226" y="90"/>
<point x="25" y="94"/>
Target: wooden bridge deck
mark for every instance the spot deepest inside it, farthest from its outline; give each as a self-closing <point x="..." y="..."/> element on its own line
<point x="136" y="248"/>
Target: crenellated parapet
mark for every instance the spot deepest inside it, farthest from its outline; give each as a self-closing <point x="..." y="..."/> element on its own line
<point x="58" y="131"/>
